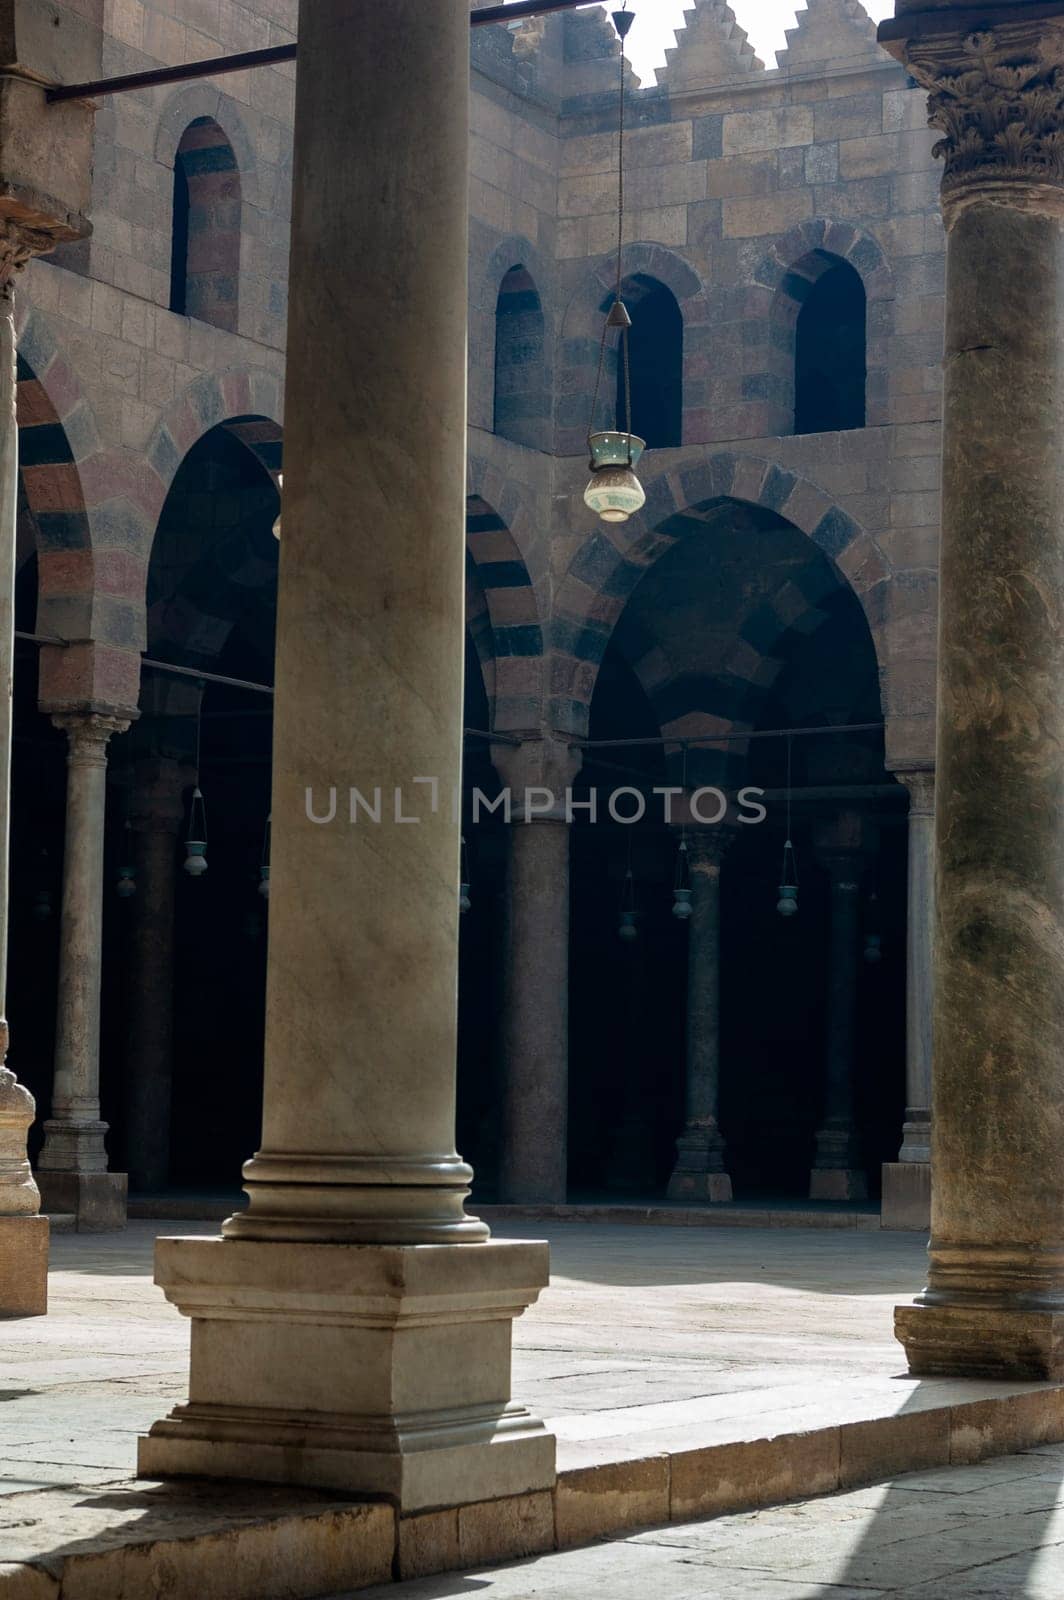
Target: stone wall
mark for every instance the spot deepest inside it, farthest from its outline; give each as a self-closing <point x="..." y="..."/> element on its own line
<point x="739" y="177"/>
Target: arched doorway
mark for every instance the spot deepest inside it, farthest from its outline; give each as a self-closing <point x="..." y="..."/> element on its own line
<point x="738" y="635"/>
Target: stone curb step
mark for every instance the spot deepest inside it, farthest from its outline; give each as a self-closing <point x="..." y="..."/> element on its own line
<point x="196" y="1541"/>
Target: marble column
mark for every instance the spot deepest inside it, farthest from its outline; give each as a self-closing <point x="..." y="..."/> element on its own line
<point x="700" y="1172"/>
<point x="907" y="1181"/>
<point x="23" y="1231"/>
<point x="45" y="189"/>
<point x="994" y="1301"/>
<point x="536" y="1015"/>
<point x="157" y="815"/>
<point x="352" y="1328"/>
<point x="72" y="1171"/>
<point x="838" y="1172"/>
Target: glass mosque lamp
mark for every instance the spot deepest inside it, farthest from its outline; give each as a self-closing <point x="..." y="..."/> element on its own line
<point x="614" y="492"/>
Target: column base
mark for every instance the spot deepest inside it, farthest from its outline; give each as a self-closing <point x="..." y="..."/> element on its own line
<point x="700" y="1173"/>
<point x="906" y="1196"/>
<point x="976" y="1342"/>
<point x="837" y="1183"/>
<point x="97" y="1199"/>
<point x="23" y="1266"/>
<point x="372" y="1369"/>
<point x="71" y="1145"/>
<point x="713" y="1186"/>
<point x="915" y="1141"/>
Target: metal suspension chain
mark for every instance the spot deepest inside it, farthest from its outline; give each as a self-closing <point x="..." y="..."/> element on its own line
<point x="618" y="316"/>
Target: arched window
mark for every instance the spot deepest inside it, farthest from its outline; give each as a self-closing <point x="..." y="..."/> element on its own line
<point x="205" y="259"/>
<point x="829" y="350"/>
<point x="656" y="344"/>
<point x="522" y="400"/>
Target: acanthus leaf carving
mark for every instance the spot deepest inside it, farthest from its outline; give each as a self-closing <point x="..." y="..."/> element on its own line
<point x="997" y="97"/>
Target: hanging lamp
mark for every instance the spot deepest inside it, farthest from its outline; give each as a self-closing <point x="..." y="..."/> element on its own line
<point x="681" y="892"/>
<point x="681" y="886"/>
<point x="195" y="862"/>
<point x="126" y="887"/>
<point x="280" y="491"/>
<point x="464" y="902"/>
<point x="614" y="492"/>
<point x="873" y="948"/>
<point x="264" y="863"/>
<point x="627" y="930"/>
<point x="787" y="904"/>
<point x="196" y="840"/>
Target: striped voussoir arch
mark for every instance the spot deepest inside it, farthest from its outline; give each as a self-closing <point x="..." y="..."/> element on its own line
<point x="53" y="493"/>
<point x="233" y="578"/>
<point x="606" y="570"/>
<point x="731" y="700"/>
<point x="506" y="627"/>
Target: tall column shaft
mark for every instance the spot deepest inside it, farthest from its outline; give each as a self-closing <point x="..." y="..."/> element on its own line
<point x="73" y="1162"/>
<point x="837" y="1170"/>
<point x="916" y="1134"/>
<point x="361" y="1008"/>
<point x="150" y="1006"/>
<point x="700" y="1171"/>
<point x="907" y="1181"/>
<point x="357" y="1172"/>
<point x="536" y="1016"/>
<point x="994" y="1302"/>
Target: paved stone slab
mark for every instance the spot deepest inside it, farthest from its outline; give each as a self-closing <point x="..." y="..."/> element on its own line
<point x="987" y="1532"/>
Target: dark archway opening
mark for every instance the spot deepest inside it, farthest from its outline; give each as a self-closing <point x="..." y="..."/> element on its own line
<point x="656" y="347"/>
<point x="205" y="242"/>
<point x="830" y="352"/>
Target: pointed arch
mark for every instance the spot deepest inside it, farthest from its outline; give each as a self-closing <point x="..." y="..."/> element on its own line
<point x="522" y="400"/>
<point x="606" y="570"/>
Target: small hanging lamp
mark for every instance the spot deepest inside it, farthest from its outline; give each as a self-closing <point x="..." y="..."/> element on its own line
<point x="280" y="491"/>
<point x="196" y="841"/>
<point x="264" y="864"/>
<point x="787" y="904"/>
<point x="464" y="902"/>
<point x="126" y="887"/>
<point x="873" y="947"/>
<point x="614" y="492"/>
<point x="681" y="890"/>
<point x="627" y="930"/>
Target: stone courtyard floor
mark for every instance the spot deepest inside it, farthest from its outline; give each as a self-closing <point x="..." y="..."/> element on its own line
<point x="994" y="1531"/>
<point x="655" y="1353"/>
<point x="645" y="1331"/>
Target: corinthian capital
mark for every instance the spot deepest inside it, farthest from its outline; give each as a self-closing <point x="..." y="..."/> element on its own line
<point x="19" y="243"/>
<point x="997" y="96"/>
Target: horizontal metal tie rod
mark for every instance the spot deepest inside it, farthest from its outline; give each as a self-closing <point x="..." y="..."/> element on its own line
<point x="219" y="66"/>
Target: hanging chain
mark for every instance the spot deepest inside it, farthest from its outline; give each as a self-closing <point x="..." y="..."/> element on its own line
<point x="618" y="315"/>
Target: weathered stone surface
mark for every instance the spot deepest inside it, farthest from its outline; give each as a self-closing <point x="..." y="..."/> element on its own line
<point x="610" y="1499"/>
<point x="23" y="1266"/>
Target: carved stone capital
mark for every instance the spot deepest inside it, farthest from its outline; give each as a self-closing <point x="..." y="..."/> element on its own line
<point x="19" y="243"/>
<point x="707" y="847"/>
<point x="997" y="97"/>
<point x="87" y="737"/>
<point x="921" y="787"/>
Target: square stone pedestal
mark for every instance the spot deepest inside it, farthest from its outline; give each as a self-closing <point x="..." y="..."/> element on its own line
<point x="374" y="1369"/>
<point x="906" y="1196"/>
<point x="23" y="1266"/>
<point x="700" y="1186"/>
<point x="837" y="1183"/>
<point x="976" y="1342"/>
<point x="96" y="1199"/>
